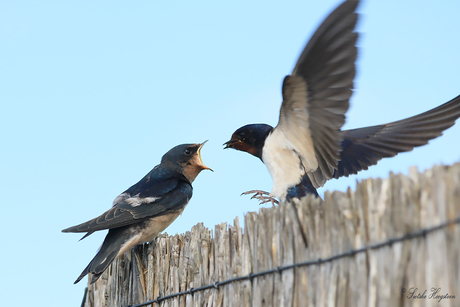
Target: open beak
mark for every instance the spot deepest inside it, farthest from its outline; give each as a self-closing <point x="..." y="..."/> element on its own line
<point x="199" y="157"/>
<point x="230" y="143"/>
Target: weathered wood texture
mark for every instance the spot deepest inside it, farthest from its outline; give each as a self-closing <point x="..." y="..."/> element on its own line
<point x="377" y="211"/>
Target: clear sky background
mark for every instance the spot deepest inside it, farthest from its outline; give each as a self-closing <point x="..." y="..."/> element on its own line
<point x="93" y="93"/>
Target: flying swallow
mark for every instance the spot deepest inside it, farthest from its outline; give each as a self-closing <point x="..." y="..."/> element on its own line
<point x="308" y="147"/>
<point x="147" y="208"/>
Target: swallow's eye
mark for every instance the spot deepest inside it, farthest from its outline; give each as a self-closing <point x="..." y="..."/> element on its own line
<point x="241" y="134"/>
<point x="187" y="151"/>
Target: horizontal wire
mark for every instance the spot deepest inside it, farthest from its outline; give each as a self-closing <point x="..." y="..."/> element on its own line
<point x="351" y="253"/>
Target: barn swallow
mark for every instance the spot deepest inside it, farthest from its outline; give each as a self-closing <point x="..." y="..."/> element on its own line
<point x="144" y="210"/>
<point x="308" y="147"/>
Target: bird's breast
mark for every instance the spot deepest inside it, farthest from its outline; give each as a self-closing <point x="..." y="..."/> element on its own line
<point x="156" y="225"/>
<point x="284" y="165"/>
<point x="147" y="230"/>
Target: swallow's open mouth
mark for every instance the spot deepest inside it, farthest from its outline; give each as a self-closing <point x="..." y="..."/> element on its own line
<point x="230" y="143"/>
<point x="199" y="157"/>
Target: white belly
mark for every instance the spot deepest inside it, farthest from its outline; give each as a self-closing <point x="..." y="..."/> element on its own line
<point x="283" y="164"/>
<point x="153" y="228"/>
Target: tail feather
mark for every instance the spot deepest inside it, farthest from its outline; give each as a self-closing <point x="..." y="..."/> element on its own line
<point x="84" y="273"/>
<point x="105" y="256"/>
<point x="86" y="235"/>
<point x="303" y="188"/>
<point x="98" y="265"/>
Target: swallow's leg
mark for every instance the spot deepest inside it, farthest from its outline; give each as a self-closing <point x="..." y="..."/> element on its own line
<point x="257" y="193"/>
<point x="260" y="195"/>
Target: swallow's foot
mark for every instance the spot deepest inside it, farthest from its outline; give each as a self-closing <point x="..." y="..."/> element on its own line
<point x="262" y="196"/>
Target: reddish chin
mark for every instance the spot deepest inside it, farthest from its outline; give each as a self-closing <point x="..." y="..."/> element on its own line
<point x="242" y="146"/>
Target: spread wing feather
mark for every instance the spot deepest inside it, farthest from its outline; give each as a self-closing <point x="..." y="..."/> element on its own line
<point x="316" y="95"/>
<point x="364" y="147"/>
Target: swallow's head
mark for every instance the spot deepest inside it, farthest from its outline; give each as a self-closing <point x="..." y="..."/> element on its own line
<point x="250" y="138"/>
<point x="187" y="159"/>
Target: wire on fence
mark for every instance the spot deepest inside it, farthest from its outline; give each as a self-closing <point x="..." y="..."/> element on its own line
<point x="351" y="253"/>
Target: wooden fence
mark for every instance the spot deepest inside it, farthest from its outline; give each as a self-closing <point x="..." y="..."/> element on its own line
<point x="418" y="270"/>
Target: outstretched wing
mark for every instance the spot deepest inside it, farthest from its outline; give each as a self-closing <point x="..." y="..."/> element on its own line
<point x="316" y="95"/>
<point x="364" y="147"/>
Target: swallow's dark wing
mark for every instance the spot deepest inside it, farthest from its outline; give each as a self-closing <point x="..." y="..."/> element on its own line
<point x="158" y="181"/>
<point x="364" y="147"/>
<point x="134" y="209"/>
<point x="158" y="193"/>
<point x="316" y="95"/>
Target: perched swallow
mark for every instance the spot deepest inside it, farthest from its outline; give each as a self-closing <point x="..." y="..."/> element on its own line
<point x="308" y="147"/>
<point x="144" y="210"/>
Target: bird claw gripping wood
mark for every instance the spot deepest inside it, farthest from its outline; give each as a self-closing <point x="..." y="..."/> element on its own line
<point x="260" y="195"/>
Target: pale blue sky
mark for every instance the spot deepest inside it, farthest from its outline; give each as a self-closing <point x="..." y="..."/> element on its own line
<point x="94" y="93"/>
